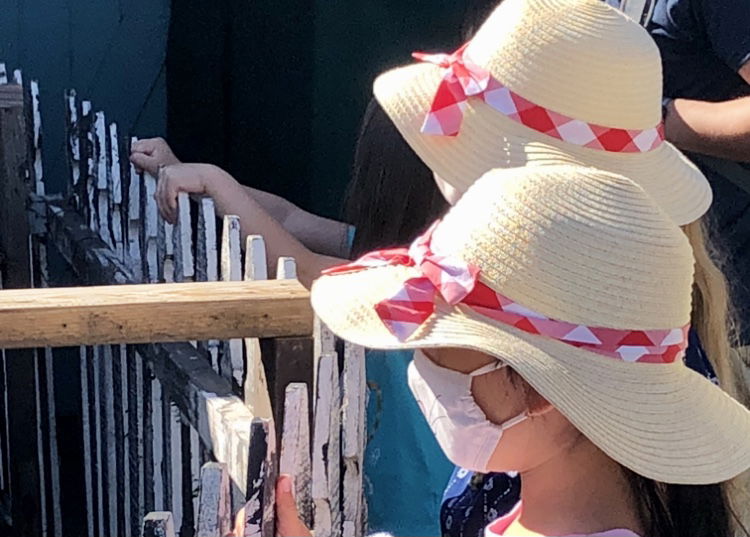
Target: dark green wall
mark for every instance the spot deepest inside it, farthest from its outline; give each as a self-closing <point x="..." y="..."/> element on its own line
<point x="354" y="41"/>
<point x="111" y="51"/>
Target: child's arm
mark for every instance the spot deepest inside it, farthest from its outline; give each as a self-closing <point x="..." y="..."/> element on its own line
<point x="322" y="235"/>
<point x="232" y="198"/>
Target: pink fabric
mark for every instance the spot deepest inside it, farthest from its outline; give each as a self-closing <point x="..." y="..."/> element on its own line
<point x="501" y="525"/>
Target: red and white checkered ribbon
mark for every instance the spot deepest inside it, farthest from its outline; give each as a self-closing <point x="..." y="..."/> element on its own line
<point x="458" y="282"/>
<point x="464" y="79"/>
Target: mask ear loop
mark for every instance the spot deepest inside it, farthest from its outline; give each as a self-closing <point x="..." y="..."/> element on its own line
<point x="489" y="368"/>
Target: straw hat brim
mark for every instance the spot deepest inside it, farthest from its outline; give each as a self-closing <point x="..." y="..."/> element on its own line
<point x="664" y="422"/>
<point x="489" y="140"/>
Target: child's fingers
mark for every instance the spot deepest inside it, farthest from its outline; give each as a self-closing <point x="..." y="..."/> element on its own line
<point x="288" y="523"/>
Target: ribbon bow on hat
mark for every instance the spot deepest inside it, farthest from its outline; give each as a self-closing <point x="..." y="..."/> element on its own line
<point x="457" y="282"/>
<point x="462" y="79"/>
<point x="414" y="303"/>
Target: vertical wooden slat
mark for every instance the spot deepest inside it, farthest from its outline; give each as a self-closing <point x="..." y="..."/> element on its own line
<point x="175" y="463"/>
<point x="158" y="524"/>
<point x="88" y="168"/>
<point x="353" y="440"/>
<point x="39" y="423"/>
<point x="323" y="343"/>
<point x="135" y="367"/>
<point x="295" y="448"/>
<point x="149" y="497"/>
<point x="122" y="437"/>
<point x="150" y="222"/>
<point x="145" y="456"/>
<point x="286" y="269"/>
<point x="45" y="379"/>
<point x="158" y="439"/>
<point x="190" y="460"/>
<point x="78" y="154"/>
<point x="54" y="461"/>
<point x="166" y="252"/>
<point x="37" y="138"/>
<point x="232" y="366"/>
<point x="214" y="504"/>
<point x="103" y="408"/>
<point x="135" y="225"/>
<point x="109" y="439"/>
<point x="103" y="179"/>
<point x="4" y="448"/>
<point x="256" y="394"/>
<point x="183" y="241"/>
<point x="196" y="450"/>
<point x="153" y="422"/>
<point x="89" y="444"/>
<point x="187" y="456"/>
<point x="262" y="472"/>
<point x="96" y="415"/>
<point x="73" y="142"/>
<point x="171" y="463"/>
<point x="120" y="401"/>
<point x="206" y="263"/>
<point x="16" y="269"/>
<point x="326" y="450"/>
<point x="115" y="175"/>
<point x="286" y="360"/>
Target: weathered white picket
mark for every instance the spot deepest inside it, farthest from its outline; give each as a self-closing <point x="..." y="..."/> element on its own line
<point x="145" y="443"/>
<point x="215" y="504"/>
<point x="354" y="432"/>
<point x="159" y="524"/>
<point x="295" y="448"/>
<point x="256" y="385"/>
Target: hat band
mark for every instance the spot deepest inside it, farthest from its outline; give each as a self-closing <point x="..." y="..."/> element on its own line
<point x="463" y="79"/>
<point x="458" y="284"/>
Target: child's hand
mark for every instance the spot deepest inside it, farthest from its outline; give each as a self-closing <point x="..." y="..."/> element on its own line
<point x="190" y="178"/>
<point x="288" y="523"/>
<point x="149" y="155"/>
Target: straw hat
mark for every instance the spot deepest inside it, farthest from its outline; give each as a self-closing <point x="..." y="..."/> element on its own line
<point x="571" y="247"/>
<point x="576" y="69"/>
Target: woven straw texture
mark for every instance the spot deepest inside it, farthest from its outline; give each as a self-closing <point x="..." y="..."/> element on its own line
<point x="584" y="246"/>
<point x="580" y="58"/>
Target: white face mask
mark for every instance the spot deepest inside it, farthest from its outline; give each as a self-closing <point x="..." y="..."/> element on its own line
<point x="464" y="433"/>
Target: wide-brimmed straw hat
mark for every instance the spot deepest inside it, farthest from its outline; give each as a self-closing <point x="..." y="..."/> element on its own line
<point x="546" y="81"/>
<point x="582" y="284"/>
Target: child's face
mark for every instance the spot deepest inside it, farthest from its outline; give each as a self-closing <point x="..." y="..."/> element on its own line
<point x="502" y="395"/>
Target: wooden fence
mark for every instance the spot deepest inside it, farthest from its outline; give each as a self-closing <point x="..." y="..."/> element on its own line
<point x="176" y="436"/>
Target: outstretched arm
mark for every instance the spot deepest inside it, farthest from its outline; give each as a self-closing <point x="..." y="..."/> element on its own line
<point x="232" y="198"/>
<point x="321" y="235"/>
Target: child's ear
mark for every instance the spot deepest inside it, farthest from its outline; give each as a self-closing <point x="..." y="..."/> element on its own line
<point x="538" y="405"/>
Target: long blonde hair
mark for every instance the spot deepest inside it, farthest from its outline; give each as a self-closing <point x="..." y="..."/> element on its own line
<point x="715" y="323"/>
<point x="713" y="314"/>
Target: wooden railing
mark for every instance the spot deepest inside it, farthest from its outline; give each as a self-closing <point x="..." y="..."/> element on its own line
<point x="183" y="366"/>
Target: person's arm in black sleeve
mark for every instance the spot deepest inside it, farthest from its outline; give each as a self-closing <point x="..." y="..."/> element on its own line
<point x="720" y="129"/>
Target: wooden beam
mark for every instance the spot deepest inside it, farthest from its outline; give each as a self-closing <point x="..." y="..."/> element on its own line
<point x="153" y="313"/>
